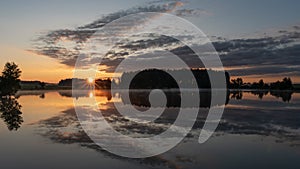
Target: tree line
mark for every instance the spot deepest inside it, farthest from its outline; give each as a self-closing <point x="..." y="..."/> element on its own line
<point x="159" y="79"/>
<point x="284" y="84"/>
<point x="78" y="83"/>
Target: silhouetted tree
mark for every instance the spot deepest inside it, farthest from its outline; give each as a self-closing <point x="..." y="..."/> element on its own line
<point x="78" y="83"/>
<point x="237" y="83"/>
<point x="261" y="83"/>
<point x="285" y="84"/>
<point x="65" y="82"/>
<point x="42" y="84"/>
<point x="10" y="79"/>
<point x="103" y="83"/>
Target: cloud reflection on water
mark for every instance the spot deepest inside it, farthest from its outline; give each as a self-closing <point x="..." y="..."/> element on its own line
<point x="261" y="119"/>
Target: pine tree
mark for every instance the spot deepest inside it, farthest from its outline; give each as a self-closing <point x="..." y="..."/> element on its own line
<point x="10" y="79"/>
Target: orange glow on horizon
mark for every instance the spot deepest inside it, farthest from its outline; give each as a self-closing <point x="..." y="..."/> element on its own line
<point x="90" y="80"/>
<point x="34" y="66"/>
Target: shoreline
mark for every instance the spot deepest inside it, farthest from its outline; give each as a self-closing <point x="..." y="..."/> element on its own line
<point x="231" y="90"/>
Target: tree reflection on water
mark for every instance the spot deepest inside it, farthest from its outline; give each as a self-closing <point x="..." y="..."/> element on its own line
<point x="10" y="112"/>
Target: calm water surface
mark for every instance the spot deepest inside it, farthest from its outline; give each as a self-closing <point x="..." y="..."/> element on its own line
<point x="257" y="130"/>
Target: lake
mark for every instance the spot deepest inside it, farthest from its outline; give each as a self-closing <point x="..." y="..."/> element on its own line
<point x="258" y="129"/>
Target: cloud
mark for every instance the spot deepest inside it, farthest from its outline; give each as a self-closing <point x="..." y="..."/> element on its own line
<point x="52" y="43"/>
<point x="192" y="12"/>
<point x="266" y="70"/>
<point x="267" y="55"/>
<point x="273" y="54"/>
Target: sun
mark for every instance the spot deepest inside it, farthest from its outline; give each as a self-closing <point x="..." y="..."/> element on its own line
<point x="90" y="80"/>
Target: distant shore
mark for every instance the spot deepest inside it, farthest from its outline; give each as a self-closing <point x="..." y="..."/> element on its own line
<point x="297" y="90"/>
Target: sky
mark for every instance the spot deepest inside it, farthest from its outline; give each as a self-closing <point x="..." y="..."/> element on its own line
<point x="273" y="24"/>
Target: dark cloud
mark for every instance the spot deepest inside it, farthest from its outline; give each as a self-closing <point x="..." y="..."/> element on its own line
<point x="155" y="41"/>
<point x="267" y="70"/>
<point x="267" y="55"/>
<point x="296" y="27"/>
